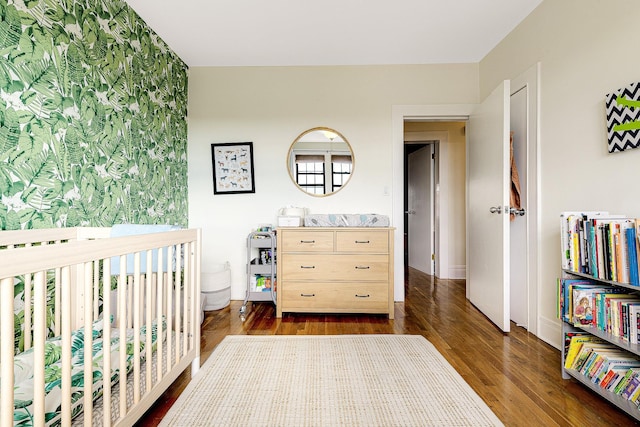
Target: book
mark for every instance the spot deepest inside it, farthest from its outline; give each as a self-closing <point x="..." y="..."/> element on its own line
<point x="632" y="254"/>
<point x="634" y="320"/>
<point x="605" y="253"/>
<point x="609" y="305"/>
<point x="612" y="359"/>
<point x="602" y="305"/>
<point x="635" y="396"/>
<point x="631" y="387"/>
<point x="566" y="286"/>
<point x="628" y="376"/>
<point x="585" y="353"/>
<point x="568" y="227"/>
<point x="572" y="342"/>
<point x="583" y="303"/>
<point x="614" y="374"/>
<point x="625" y="225"/>
<point x="637" y="241"/>
<point x="626" y="318"/>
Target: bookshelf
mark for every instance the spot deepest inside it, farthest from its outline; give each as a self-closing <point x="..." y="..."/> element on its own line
<point x="611" y="329"/>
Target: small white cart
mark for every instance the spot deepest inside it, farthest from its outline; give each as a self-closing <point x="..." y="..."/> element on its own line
<point x="261" y="269"/>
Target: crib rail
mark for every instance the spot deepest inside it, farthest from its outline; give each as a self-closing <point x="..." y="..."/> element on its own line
<point x="70" y="283"/>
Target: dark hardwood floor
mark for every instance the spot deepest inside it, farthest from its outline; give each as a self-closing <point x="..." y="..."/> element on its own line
<point x="517" y="374"/>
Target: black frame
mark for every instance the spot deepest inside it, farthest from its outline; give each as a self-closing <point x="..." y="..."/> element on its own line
<point x="232" y="164"/>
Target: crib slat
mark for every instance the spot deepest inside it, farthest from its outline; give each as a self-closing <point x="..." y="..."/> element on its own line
<point x="147" y="308"/>
<point x="137" y="288"/>
<point x="170" y="309"/>
<point x="106" y="342"/>
<point x="188" y="301"/>
<point x="28" y="312"/>
<point x="6" y="352"/>
<point x="178" y="302"/>
<point x="158" y="307"/>
<point x="39" y="337"/>
<point x="122" y="307"/>
<point x="96" y="289"/>
<point x="56" y="303"/>
<point x="196" y="285"/>
<point x="88" y="345"/>
<point x="66" y="345"/>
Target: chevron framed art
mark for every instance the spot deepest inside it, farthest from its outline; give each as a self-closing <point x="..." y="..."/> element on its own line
<point x="623" y="118"/>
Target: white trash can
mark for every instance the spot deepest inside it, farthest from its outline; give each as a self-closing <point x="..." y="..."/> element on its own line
<point x="216" y="286"/>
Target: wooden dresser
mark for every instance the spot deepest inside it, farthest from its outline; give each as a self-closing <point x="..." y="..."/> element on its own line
<point x="335" y="270"/>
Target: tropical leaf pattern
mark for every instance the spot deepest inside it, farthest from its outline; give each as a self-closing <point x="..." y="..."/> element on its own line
<point x="93" y="108"/>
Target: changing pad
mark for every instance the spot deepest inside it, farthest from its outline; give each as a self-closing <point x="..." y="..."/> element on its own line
<point x="346" y="220"/>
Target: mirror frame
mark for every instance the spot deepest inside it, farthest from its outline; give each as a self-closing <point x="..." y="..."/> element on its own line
<point x="291" y="150"/>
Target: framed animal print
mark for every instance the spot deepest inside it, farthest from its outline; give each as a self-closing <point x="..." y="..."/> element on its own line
<point x="233" y="168"/>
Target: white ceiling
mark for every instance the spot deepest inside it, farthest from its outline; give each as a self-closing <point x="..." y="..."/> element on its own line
<point x="331" y="32"/>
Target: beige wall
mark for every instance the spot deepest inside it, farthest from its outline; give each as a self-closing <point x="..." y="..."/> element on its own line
<point x="270" y="106"/>
<point x="586" y="49"/>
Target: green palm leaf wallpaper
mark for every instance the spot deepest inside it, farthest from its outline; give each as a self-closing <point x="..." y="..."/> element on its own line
<point x="93" y="117"/>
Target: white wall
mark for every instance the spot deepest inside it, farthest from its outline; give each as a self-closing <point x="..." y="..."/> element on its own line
<point x="271" y="106"/>
<point x="587" y="49"/>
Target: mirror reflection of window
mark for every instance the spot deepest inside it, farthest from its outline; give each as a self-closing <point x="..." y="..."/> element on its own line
<point x="320" y="161"/>
<point x="341" y="171"/>
<point x="310" y="173"/>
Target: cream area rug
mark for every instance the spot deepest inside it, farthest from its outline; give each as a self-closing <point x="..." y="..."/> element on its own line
<point x="329" y="380"/>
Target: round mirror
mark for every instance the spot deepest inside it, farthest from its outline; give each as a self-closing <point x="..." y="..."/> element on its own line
<point x="320" y="161"/>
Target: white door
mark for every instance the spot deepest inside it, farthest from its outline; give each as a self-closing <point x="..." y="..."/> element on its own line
<point x="420" y="198"/>
<point x="519" y="296"/>
<point x="488" y="181"/>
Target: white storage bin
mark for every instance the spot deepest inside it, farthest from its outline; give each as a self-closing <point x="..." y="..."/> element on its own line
<point x="216" y="286"/>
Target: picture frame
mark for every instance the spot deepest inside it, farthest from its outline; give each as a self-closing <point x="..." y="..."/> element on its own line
<point x="233" y="168"/>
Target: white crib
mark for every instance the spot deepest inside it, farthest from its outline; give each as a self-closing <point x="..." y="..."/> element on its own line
<point x="63" y="276"/>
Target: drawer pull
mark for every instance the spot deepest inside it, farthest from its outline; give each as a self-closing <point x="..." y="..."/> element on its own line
<point x="362" y="296"/>
<point x="363" y="241"/>
<point x="307" y="295"/>
<point x="307" y="266"/>
<point x="307" y="241"/>
<point x="362" y="267"/>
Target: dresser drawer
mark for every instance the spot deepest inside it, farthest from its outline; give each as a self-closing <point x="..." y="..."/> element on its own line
<point x="335" y="267"/>
<point x="326" y="297"/>
<point x="307" y="241"/>
<point x="369" y="241"/>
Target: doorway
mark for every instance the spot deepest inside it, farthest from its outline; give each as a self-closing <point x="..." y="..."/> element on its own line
<point x="529" y="80"/>
<point x="421" y="183"/>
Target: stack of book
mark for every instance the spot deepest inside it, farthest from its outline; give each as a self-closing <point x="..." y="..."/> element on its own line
<point x="587" y="303"/>
<point x="603" y="364"/>
<point x="601" y="245"/>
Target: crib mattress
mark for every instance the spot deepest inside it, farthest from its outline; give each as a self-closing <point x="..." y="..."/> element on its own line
<point x="346" y="220"/>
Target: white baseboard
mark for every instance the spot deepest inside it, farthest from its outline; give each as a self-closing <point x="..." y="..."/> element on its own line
<point x="550" y="331"/>
<point x="457" y="272"/>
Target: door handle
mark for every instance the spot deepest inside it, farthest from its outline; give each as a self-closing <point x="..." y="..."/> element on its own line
<point x="495" y="209"/>
<point x="410" y="212"/>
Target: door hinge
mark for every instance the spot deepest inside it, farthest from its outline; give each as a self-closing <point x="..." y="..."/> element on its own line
<point x="433" y="257"/>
